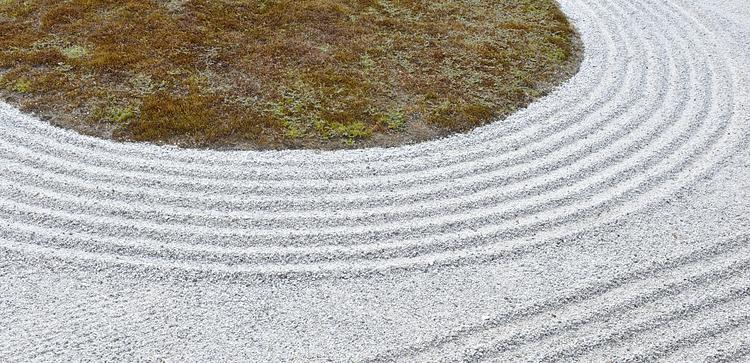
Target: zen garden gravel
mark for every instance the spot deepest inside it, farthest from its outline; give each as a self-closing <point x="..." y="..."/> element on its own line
<point x="608" y="221"/>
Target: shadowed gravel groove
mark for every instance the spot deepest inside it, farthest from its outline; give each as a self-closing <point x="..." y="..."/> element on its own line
<point x="604" y="222"/>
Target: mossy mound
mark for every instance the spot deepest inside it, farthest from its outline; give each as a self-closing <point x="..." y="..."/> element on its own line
<point x="280" y="73"/>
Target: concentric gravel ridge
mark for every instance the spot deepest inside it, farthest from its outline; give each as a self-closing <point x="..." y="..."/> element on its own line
<point x="660" y="101"/>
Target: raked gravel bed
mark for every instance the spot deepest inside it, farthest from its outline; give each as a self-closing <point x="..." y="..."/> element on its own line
<point x="608" y="221"/>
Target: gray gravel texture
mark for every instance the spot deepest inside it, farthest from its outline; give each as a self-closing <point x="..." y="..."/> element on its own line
<point x="608" y="221"/>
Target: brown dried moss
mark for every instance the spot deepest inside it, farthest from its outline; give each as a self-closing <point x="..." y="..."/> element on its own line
<point x="280" y="73"/>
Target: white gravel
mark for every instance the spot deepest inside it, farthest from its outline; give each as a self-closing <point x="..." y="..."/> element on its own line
<point x="608" y="221"/>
